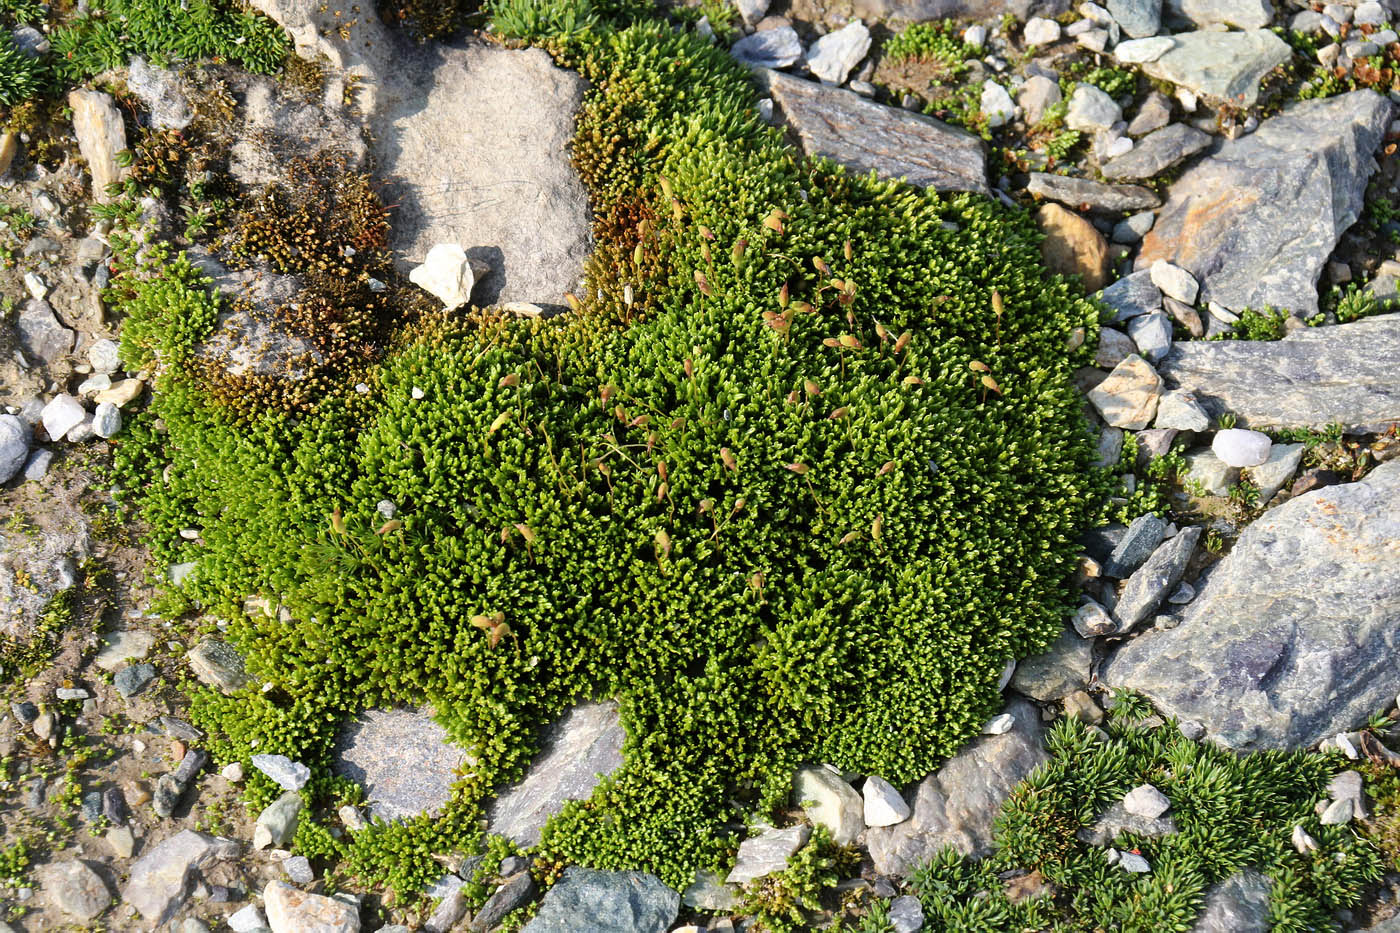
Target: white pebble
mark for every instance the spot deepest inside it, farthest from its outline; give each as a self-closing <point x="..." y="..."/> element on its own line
<point x="999" y="725"/>
<point x="1238" y="447"/>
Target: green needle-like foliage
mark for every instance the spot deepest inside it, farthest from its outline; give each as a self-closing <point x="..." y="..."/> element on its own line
<point x="797" y="477"/>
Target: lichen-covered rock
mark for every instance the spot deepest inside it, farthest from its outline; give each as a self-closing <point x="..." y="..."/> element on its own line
<point x="402" y="758"/>
<point x="1256" y="220"/>
<point x="74" y="888"/>
<point x="955" y="805"/>
<point x="1291" y="638"/>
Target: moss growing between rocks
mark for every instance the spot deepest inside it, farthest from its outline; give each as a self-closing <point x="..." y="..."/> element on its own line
<point x="1231" y="813"/>
<point x="799" y="476"/>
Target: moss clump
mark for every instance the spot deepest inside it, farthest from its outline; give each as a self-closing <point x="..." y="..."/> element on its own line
<point x="428" y="19"/>
<point x="797" y="478"/>
<point x="1231" y="812"/>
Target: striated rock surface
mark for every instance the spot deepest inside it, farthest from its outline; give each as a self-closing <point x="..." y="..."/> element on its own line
<point x="1256" y="219"/>
<point x="586" y="900"/>
<point x="1314" y="377"/>
<point x="862" y="135"/>
<point x="1292" y="636"/>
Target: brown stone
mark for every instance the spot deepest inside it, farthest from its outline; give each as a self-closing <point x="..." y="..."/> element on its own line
<point x="1073" y="246"/>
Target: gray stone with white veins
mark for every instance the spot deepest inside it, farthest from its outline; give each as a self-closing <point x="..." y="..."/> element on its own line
<point x="1291" y="638"/>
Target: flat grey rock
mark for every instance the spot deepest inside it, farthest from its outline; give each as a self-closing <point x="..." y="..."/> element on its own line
<point x="1155" y="580"/>
<point x="1256" y="219"/>
<point x="402" y="758"/>
<point x="913" y="11"/>
<point x="586" y="900"/>
<point x="1139" y="542"/>
<point x="769" y="48"/>
<point x="1116" y="820"/>
<point x="955" y="806"/>
<point x="578" y="749"/>
<point x="862" y="135"/>
<point x="15" y="436"/>
<point x="1061" y="670"/>
<point x="1242" y="14"/>
<point x="1139" y="18"/>
<point x="1239" y="904"/>
<point x="1097" y="196"/>
<point x="165" y="874"/>
<point x="1132" y="295"/>
<point x="1292" y="636"/>
<point x="1314" y="377"/>
<point x="1224" y="65"/>
<point x="767" y="852"/>
<point x="1156" y="152"/>
<point x="42" y="338"/>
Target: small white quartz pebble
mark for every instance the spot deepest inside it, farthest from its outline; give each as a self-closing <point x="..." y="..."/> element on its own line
<point x="999" y="724"/>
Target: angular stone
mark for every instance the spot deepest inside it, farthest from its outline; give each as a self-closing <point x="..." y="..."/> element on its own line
<point x="1038" y="94"/>
<point x="1072" y="246"/>
<point x="769" y="48"/>
<point x="122" y="646"/>
<point x="1239" y="904"/>
<point x="402" y="758"/>
<point x="1237" y="447"/>
<point x="1155" y="113"/>
<point x="580" y="748"/>
<point x="1062" y="669"/>
<point x="1092" y="620"/>
<point x="827" y="800"/>
<point x="1137" y="17"/>
<point x="1132" y="295"/>
<point x="514" y="893"/>
<point x="586" y="900"/>
<point x="285" y="773"/>
<point x="1091" y="110"/>
<point x="41" y="337"/>
<point x="832" y="56"/>
<point x="997" y="106"/>
<point x="1156" y="152"/>
<point x="955" y="805"/>
<point x="161" y="91"/>
<point x="1273" y="474"/>
<point x="1152" y="334"/>
<point x="451" y="909"/>
<point x="165" y="874"/>
<point x="1040" y="31"/>
<point x="1116" y="821"/>
<point x="277" y="824"/>
<point x="1138" y="51"/>
<point x="767" y="852"/>
<point x="1180" y="411"/>
<point x="218" y="664"/>
<point x="1174" y="281"/>
<point x="1257" y="220"/>
<point x="1242" y="14"/>
<point x="1149" y="585"/>
<point x="884" y="805"/>
<point x="1312" y="378"/>
<point x="1132" y="229"/>
<point x="709" y="892"/>
<point x="1291" y="638"/>
<point x="291" y="910"/>
<point x="14" y="446"/>
<point x="1095" y="195"/>
<point x="1146" y="801"/>
<point x="1144" y="534"/>
<point x="864" y="136"/>
<point x="74" y="888"/>
<point x="249" y="919"/>
<point x="1224" y="65"/>
<point x="101" y="135"/>
<point x="1128" y="397"/>
<point x="1114" y="347"/>
<point x="446" y="274"/>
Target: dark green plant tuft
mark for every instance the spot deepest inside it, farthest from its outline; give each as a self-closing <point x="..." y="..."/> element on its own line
<point x="800" y="474"/>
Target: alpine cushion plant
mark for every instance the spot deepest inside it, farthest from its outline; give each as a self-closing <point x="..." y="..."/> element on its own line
<point x="794" y="481"/>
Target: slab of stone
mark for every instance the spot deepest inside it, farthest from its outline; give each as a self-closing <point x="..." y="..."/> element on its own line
<point x="1242" y="14"/>
<point x="123" y="645"/>
<point x="1072" y="246"/>
<point x="1091" y="110"/>
<point x="1224" y="65"/>
<point x="1138" y="51"/>
<point x="101" y="135"/>
<point x="42" y="338"/>
<point x="514" y="893"/>
<point x="164" y="876"/>
<point x="1257" y="219"/>
<point x="218" y="664"/>
<point x="74" y="888"/>
<point x="1180" y="411"/>
<point x="285" y="773"/>
<point x="277" y="823"/>
<point x="1138" y="18"/>
<point x="1091" y="195"/>
<point x="1132" y="295"/>
<point x="1273" y="474"/>
<point x="1128" y="397"/>
<point x="884" y="805"/>
<point x="1152" y="334"/>
<point x="1314" y="377"/>
<point x="1239" y="904"/>
<point x="1156" y="152"/>
<point x="767" y="852"/>
<point x="955" y="805"/>
<point x="1143" y="536"/>
<point x="862" y="135"/>
<point x="1291" y="638"/>
<point x="1116" y="821"/>
<point x="1114" y="347"/>
<point x="769" y="48"/>
<point x="827" y="800"/>
<point x="1154" y="580"/>
<point x="578" y="750"/>
<point x="402" y="758"/>
<point x="1061" y="670"/>
<point x="1091" y="620"/>
<point x="586" y="900"/>
<point x="292" y="910"/>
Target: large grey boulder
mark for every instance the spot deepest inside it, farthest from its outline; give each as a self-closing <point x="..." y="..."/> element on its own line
<point x="164" y="876"/>
<point x="402" y="758"/>
<point x="1224" y="65"/>
<point x="1256" y="219"/>
<point x="955" y="806"/>
<point x="472" y="140"/>
<point x="578" y="750"/>
<point x="1314" y="377"/>
<point x="1291" y="638"/>
<point x="586" y="900"/>
<point x="862" y="135"/>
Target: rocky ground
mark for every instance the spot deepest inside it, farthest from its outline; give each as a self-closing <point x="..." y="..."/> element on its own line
<point x="1223" y="171"/>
